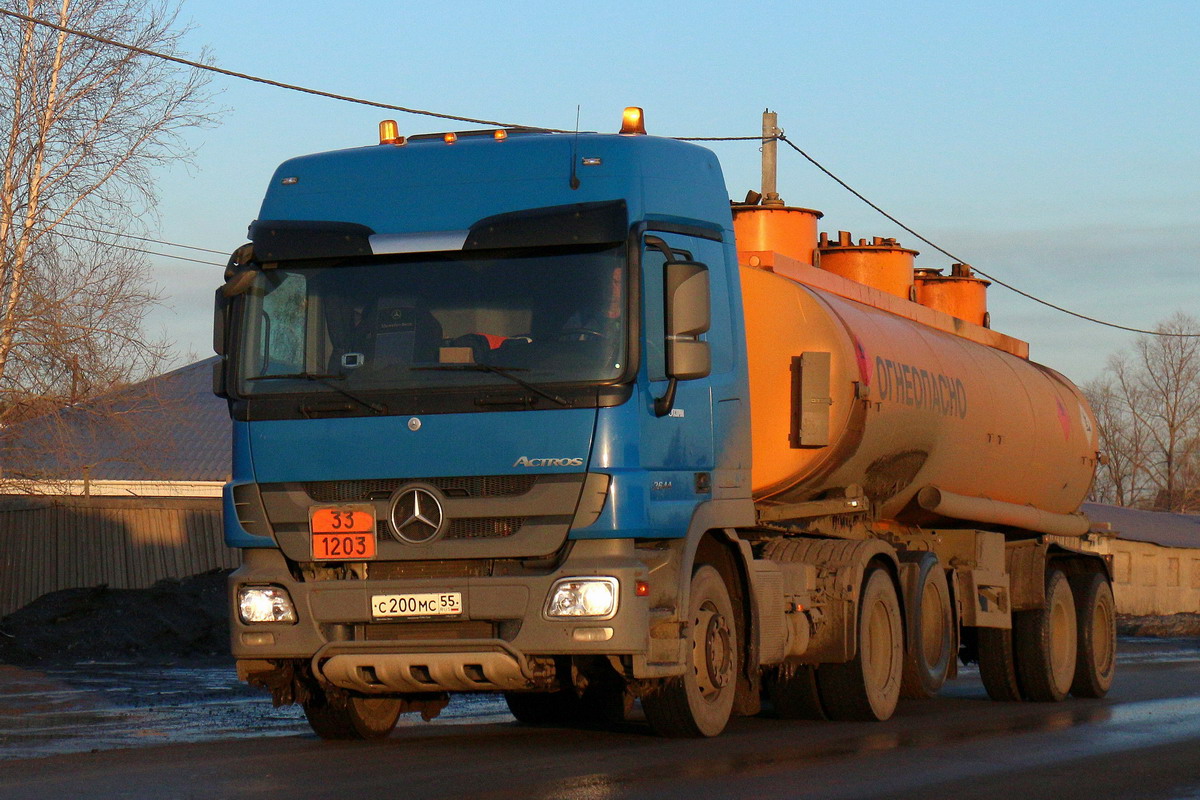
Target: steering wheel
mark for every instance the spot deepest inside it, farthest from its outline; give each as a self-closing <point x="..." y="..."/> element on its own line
<point x="580" y="335"/>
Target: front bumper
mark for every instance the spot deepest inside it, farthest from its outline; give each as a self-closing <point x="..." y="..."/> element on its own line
<point x="501" y="641"/>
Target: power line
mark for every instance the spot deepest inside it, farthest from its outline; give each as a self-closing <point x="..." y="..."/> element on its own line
<point x="138" y="250"/>
<point x="992" y="278"/>
<point x="77" y="226"/>
<point x="267" y="81"/>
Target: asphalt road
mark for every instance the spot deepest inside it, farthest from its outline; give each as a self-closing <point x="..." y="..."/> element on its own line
<point x="1143" y="741"/>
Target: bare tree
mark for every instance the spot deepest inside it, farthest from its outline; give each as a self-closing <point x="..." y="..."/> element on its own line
<point x="1148" y="407"/>
<point x="83" y="125"/>
<point x="1122" y="478"/>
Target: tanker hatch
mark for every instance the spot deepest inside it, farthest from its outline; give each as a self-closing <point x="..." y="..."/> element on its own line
<point x="880" y="263"/>
<point x="959" y="294"/>
<point x="763" y="222"/>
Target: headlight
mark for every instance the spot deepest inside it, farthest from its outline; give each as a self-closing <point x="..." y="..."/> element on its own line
<point x="258" y="604"/>
<point x="593" y="598"/>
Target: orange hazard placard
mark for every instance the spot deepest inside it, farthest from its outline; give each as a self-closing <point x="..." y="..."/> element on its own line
<point x="342" y="532"/>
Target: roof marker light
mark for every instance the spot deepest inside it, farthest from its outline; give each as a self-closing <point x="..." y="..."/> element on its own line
<point x="389" y="132"/>
<point x="500" y="135"/>
<point x="633" y="122"/>
<point x="450" y="138"/>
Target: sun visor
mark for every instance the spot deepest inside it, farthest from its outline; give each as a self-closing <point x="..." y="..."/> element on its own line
<point x="287" y="239"/>
<point x="606" y="222"/>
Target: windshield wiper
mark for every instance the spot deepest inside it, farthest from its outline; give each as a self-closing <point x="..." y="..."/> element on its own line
<point x="503" y="372"/>
<point x="325" y="379"/>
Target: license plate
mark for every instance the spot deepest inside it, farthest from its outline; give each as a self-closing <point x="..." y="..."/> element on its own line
<point x="341" y="533"/>
<point x="432" y="604"/>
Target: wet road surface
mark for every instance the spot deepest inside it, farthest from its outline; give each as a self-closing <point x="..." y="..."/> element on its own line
<point x="117" y="731"/>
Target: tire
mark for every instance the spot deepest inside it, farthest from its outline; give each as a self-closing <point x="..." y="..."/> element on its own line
<point x="1045" y="643"/>
<point x="1096" y="617"/>
<point x="997" y="665"/>
<point x="793" y="693"/>
<point x="867" y="688"/>
<point x="931" y="630"/>
<point x="701" y="701"/>
<point x="359" y="718"/>
<point x="543" y="708"/>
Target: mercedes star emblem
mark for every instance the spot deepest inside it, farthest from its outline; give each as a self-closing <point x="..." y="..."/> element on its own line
<point x="416" y="515"/>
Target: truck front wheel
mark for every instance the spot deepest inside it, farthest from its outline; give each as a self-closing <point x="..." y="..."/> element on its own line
<point x="351" y="716"/>
<point x="700" y="702"/>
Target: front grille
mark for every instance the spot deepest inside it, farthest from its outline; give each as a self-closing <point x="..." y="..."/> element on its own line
<point x="400" y="570"/>
<point x="484" y="527"/>
<point x="379" y="489"/>
<point x="413" y="631"/>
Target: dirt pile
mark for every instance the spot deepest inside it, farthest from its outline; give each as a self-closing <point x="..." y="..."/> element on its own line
<point x="173" y="620"/>
<point x="1167" y="627"/>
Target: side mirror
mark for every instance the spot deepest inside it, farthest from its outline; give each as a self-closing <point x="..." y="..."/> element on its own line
<point x="220" y="321"/>
<point x="688" y="314"/>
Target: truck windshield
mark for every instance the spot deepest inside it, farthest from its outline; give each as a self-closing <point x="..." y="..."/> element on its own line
<point x="405" y="323"/>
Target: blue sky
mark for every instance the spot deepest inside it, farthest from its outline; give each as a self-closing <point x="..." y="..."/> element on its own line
<point x="1054" y="147"/>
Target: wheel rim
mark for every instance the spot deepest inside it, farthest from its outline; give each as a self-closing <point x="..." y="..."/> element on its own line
<point x="1062" y="641"/>
<point x="1103" y="646"/>
<point x="712" y="651"/>
<point x="932" y="614"/>
<point x="879" y="645"/>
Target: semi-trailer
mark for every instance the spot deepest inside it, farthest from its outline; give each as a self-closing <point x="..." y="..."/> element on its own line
<point x="545" y="414"/>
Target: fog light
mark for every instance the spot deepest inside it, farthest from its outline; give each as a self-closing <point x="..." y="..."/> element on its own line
<point x="592" y="634"/>
<point x="259" y="604"/>
<point x="595" y="598"/>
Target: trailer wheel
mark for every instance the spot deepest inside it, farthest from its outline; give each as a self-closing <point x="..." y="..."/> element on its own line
<point x="997" y="664"/>
<point x="1097" y="625"/>
<point x="867" y="688"/>
<point x="1045" y="641"/>
<point x="793" y="693"/>
<point x="700" y="702"/>
<point x="931" y="631"/>
<point x="358" y="718"/>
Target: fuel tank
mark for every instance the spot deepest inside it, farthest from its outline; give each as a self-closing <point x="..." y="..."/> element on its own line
<point x="897" y="405"/>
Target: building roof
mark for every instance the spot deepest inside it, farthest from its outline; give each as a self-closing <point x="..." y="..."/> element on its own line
<point x="1157" y="527"/>
<point x="168" y="428"/>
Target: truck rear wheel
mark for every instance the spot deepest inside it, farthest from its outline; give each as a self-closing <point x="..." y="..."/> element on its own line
<point x="867" y="688"/>
<point x="1097" y="625"/>
<point x="997" y="664"/>
<point x="1045" y="643"/>
<point x="931" y="630"/>
<point x="358" y="717"/>
<point x="700" y="702"/>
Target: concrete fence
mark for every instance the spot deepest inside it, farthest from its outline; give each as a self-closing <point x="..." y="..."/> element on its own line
<point x="48" y="544"/>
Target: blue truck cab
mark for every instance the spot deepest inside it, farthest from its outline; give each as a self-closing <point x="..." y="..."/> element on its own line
<point x="490" y="403"/>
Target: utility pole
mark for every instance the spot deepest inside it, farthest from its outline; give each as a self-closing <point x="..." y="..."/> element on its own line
<point x="770" y="154"/>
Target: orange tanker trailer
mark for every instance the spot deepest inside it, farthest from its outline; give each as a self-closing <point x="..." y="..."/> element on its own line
<point x="889" y="420"/>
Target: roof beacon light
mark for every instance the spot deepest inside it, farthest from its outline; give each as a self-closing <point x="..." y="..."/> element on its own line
<point x="633" y="122"/>
<point x="389" y="132"/>
<point x="500" y="135"/>
<point x="450" y="138"/>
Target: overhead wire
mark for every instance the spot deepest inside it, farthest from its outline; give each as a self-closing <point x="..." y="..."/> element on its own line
<point x="783" y="138"/>
<point x="493" y="123"/>
<point x="140" y="250"/>
<point x="108" y="232"/>
<point x="256" y="79"/>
